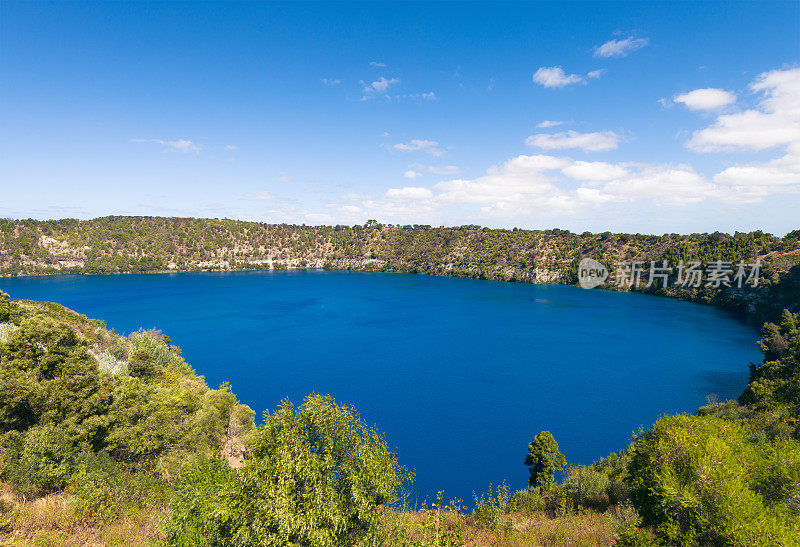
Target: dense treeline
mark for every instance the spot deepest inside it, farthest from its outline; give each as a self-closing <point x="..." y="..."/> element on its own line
<point x="154" y="244"/>
<point x="140" y="244"/>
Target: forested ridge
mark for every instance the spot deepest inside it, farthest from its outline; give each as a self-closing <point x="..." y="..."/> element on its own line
<point x="109" y="439"/>
<point x="156" y="244"/>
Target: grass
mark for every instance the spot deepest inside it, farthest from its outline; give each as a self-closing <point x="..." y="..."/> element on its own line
<point x="55" y="519"/>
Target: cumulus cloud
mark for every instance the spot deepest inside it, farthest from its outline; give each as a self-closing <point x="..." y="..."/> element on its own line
<point x="775" y="121"/>
<point x="594" y="171"/>
<point x="555" y="76"/>
<point x="588" y="142"/>
<point x="179" y="145"/>
<point x="420" y="145"/>
<point x="620" y="48"/>
<point x="231" y="147"/>
<point x="548" y="123"/>
<point x="378" y="87"/>
<point x="754" y="181"/>
<point x="435" y="169"/>
<point x="706" y="99"/>
<point x="411" y="174"/>
<point x="409" y="193"/>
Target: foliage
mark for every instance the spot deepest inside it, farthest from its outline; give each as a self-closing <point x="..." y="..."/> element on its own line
<point x="587" y="487"/>
<point x="490" y="506"/>
<point x="544" y="460"/>
<point x="62" y="392"/>
<point x="317" y="475"/>
<point x="699" y="480"/>
<point x="5" y="307"/>
<point x="46" y="461"/>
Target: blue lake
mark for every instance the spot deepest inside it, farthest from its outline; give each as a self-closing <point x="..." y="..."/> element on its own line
<point x="459" y="373"/>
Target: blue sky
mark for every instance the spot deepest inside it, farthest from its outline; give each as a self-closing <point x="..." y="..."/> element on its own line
<point x="664" y="117"/>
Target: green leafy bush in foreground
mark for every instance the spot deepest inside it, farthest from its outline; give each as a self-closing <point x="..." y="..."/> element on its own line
<point x="318" y="475"/>
<point x="701" y="481"/>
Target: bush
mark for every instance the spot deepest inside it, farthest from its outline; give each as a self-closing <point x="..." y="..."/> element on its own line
<point x="490" y="506"/>
<point x="46" y="461"/>
<point x="699" y="480"/>
<point x="587" y="487"/>
<point x="104" y="490"/>
<point x="141" y="365"/>
<point x="527" y="501"/>
<point x="5" y="307"/>
<point x="318" y="475"/>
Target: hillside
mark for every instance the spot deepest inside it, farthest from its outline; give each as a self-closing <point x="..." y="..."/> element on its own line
<point x="156" y="244"/>
<point x="109" y="440"/>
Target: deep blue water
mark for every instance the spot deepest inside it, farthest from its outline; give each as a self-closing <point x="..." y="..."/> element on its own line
<point x="459" y="373"/>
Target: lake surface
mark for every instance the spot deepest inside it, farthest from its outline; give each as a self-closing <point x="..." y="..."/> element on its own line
<point x="460" y="374"/>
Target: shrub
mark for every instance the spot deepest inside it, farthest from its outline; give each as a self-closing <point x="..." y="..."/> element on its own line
<point x="5" y="307"/>
<point x="587" y="487"/>
<point x="318" y="475"/>
<point x="527" y="501"/>
<point x="490" y="506"/>
<point x="46" y="461"/>
<point x="141" y="365"/>
<point x="699" y="480"/>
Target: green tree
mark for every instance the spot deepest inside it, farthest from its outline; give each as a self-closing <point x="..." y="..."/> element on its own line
<point x="544" y="460"/>
<point x="5" y="307"/>
<point x="318" y="475"/>
<point x="701" y="481"/>
<point x="140" y="364"/>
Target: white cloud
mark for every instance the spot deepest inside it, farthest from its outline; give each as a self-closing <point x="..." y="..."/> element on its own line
<point x="378" y="87"/>
<point x="180" y="145"/>
<point x="774" y="122"/>
<point x="706" y="99"/>
<point x="436" y="169"/>
<point x="535" y="188"/>
<point x="282" y="177"/>
<point x="778" y="172"/>
<point x="328" y="81"/>
<point x="594" y="171"/>
<point x="376" y="64"/>
<point x="588" y="142"/>
<point x="620" y="48"/>
<point x="429" y="96"/>
<point x="419" y="145"/>
<point x="409" y="193"/>
<point x="555" y="76"/>
<point x="231" y="147"/>
<point x="548" y="123"/>
<point x="411" y="174"/>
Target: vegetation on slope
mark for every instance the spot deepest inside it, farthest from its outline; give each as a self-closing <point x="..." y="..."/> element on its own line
<point x="112" y="439"/>
<point x="148" y="244"/>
